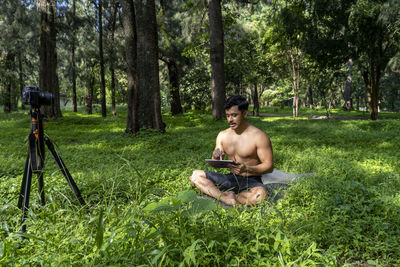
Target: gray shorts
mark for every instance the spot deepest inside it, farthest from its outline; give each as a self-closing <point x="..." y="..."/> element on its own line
<point x="237" y="184"/>
<point x="232" y="182"/>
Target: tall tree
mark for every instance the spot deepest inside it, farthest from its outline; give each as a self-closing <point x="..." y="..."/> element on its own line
<point x="292" y="26"/>
<point x="101" y="56"/>
<point x="217" y="58"/>
<point x="348" y="102"/>
<point x="73" y="61"/>
<point x="48" y="78"/>
<point x="20" y="76"/>
<point x="112" y="60"/>
<point x="7" y="54"/>
<point x="176" y="106"/>
<point x="172" y="43"/>
<point x="87" y="54"/>
<point x="374" y="53"/>
<point x="90" y="83"/>
<point x="9" y="81"/>
<point x="173" y="75"/>
<point x="256" y="101"/>
<point x="129" y="23"/>
<point x="148" y="85"/>
<point x="310" y="97"/>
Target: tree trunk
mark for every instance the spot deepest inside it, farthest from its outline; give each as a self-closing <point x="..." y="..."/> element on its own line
<point x="112" y="60"/>
<point x="74" y="103"/>
<point x="102" y="78"/>
<point x="358" y="103"/>
<point x="371" y="79"/>
<point x="13" y="84"/>
<point x="261" y="92"/>
<point x="348" y="103"/>
<point x="296" y="104"/>
<point x="48" y="79"/>
<point x="89" y="92"/>
<point x="176" y="106"/>
<point x="333" y="98"/>
<point x="7" y="98"/>
<point x="295" y="71"/>
<point x="113" y="106"/>
<point x="297" y="88"/>
<point x="217" y="58"/>
<point x="20" y="77"/>
<point x="148" y="86"/>
<point x="171" y="60"/>
<point x="129" y="23"/>
<point x="256" y="108"/>
<point x="9" y="62"/>
<point x="310" y="97"/>
<point x="395" y="93"/>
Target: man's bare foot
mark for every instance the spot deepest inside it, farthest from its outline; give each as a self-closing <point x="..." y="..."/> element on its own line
<point x="229" y="198"/>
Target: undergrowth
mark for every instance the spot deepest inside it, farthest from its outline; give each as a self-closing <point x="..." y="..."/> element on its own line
<point x="142" y="209"/>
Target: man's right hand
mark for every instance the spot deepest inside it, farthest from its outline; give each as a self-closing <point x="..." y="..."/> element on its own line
<point x="218" y="154"/>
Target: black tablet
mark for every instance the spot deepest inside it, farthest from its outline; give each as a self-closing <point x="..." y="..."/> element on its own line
<point x="216" y="163"/>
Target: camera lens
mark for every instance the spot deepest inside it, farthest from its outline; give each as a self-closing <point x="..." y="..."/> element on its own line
<point x="45" y="98"/>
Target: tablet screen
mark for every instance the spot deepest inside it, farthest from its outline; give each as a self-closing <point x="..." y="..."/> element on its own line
<point x="220" y="163"/>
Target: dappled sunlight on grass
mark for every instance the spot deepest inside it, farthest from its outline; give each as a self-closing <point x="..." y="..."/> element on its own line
<point x="373" y="166"/>
<point x="333" y="112"/>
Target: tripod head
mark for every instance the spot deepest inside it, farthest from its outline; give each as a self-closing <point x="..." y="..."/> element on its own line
<point x="33" y="97"/>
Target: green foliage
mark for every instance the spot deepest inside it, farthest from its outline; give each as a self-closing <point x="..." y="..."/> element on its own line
<point x="258" y="39"/>
<point x="193" y="206"/>
<point x="343" y="29"/>
<point x="144" y="211"/>
<point x="279" y="94"/>
<point x="390" y="90"/>
<point x="195" y="90"/>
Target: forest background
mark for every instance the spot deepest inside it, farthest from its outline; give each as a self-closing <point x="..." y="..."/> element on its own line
<point x="169" y="65"/>
<point x="323" y="54"/>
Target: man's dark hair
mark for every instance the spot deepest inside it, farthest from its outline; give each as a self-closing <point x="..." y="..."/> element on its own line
<point x="237" y="100"/>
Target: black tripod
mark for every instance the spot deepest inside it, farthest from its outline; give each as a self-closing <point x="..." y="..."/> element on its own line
<point x="35" y="164"/>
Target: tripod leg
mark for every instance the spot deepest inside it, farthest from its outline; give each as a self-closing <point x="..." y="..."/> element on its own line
<point x="65" y="171"/>
<point x="21" y="192"/>
<point x="26" y="184"/>
<point x="41" y="188"/>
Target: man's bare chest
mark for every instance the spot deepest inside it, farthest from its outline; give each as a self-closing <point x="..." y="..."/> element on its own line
<point x="242" y="147"/>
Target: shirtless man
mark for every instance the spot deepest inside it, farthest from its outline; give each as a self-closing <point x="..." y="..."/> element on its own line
<point x="251" y="150"/>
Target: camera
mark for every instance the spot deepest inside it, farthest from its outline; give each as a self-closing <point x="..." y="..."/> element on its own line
<point x="32" y="96"/>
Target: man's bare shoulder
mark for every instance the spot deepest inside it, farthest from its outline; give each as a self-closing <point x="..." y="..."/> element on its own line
<point x="255" y="130"/>
<point x="223" y="135"/>
<point x="224" y="132"/>
<point x="258" y="134"/>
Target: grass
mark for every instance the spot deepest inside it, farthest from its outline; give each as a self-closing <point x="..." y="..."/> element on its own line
<point x="144" y="211"/>
<point x="321" y="111"/>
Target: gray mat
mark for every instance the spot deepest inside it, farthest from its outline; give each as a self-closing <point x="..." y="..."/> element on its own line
<point x="280" y="177"/>
<point x="275" y="183"/>
<point x="278" y="181"/>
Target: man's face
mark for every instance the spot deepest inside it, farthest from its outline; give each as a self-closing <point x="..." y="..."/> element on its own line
<point x="235" y="117"/>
